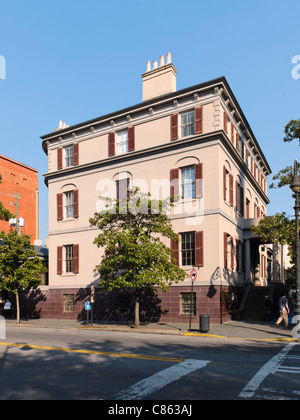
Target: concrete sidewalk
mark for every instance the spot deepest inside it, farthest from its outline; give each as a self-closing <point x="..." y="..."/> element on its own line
<point x="243" y="330"/>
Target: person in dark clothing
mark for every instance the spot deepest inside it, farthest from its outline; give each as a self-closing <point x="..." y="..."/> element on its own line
<point x="7" y="309"/>
<point x="284" y="311"/>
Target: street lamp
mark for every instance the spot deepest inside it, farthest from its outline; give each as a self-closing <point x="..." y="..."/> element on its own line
<point x="295" y="187"/>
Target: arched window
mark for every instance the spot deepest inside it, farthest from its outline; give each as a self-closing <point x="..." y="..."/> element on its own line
<point x="68" y="202"/>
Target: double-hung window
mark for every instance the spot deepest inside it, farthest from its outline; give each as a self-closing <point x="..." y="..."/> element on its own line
<point x="69" y="204"/>
<point x="69" y="258"/>
<point x="188" y="248"/>
<point x="188" y="182"/>
<point x="122" y="142"/>
<point x="188" y="123"/>
<point x="122" y="187"/>
<point x="68" y="156"/>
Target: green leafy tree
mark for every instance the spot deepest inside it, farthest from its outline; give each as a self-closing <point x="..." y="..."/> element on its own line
<point x="280" y="228"/>
<point x="284" y="176"/>
<point x="20" y="268"/>
<point x="135" y="255"/>
<point x="292" y="131"/>
<point x="277" y="228"/>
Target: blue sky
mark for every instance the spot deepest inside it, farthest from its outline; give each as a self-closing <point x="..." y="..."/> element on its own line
<point x="76" y="60"/>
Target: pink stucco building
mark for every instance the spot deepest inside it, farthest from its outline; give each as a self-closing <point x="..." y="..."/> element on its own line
<point x="195" y="142"/>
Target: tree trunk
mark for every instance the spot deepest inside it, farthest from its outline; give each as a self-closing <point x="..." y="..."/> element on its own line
<point x="18" y="307"/>
<point x="137" y="309"/>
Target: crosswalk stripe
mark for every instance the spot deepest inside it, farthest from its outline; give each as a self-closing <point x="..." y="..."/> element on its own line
<point x="161" y="379"/>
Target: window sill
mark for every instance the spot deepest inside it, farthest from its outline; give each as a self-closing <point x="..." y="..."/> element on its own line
<point x="228" y="204"/>
<point x="67" y="275"/>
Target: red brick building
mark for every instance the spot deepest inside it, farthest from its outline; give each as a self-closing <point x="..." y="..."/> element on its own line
<point x="19" y="193"/>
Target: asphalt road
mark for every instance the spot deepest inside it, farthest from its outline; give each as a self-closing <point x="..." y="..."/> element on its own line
<point x="48" y="364"/>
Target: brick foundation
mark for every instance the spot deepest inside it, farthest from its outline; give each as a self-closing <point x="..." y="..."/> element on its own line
<point x="161" y="307"/>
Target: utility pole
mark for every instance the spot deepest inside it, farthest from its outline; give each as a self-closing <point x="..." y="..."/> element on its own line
<point x="17" y="197"/>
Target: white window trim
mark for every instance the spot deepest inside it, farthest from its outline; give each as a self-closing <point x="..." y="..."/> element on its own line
<point x="121" y="143"/>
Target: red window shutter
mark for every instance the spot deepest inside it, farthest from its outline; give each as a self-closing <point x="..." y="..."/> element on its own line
<point x="199" y="180"/>
<point x="59" y="260"/>
<point x="231" y="189"/>
<point x="225" y="249"/>
<point x="232" y="133"/>
<point x="111" y="144"/>
<point x="225" y="122"/>
<point x="175" y="250"/>
<point x="75" y="259"/>
<point x="224" y="182"/>
<point x="76" y="203"/>
<point x="59" y="201"/>
<point x="76" y="154"/>
<point x="232" y="252"/>
<point x="174" y="179"/>
<point x="59" y="158"/>
<point x="174" y="127"/>
<point x="199" y="251"/>
<point x="237" y="142"/>
<point x="236" y="196"/>
<point x="199" y="120"/>
<point x="131" y="139"/>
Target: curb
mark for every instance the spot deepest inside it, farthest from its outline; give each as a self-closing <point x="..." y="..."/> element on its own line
<point x="149" y="331"/>
<point x="243" y="338"/>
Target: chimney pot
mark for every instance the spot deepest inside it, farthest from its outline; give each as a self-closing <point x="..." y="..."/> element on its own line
<point x="162" y="60"/>
<point x="148" y="66"/>
<point x="155" y="64"/>
<point x="169" y="58"/>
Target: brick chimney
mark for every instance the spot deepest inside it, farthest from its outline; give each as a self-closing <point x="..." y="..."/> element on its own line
<point x="160" y="80"/>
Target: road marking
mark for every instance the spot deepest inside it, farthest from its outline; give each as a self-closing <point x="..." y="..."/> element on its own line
<point x="270" y="367"/>
<point x="241" y="338"/>
<point x="289" y="369"/>
<point x="98" y="353"/>
<point x="161" y="379"/>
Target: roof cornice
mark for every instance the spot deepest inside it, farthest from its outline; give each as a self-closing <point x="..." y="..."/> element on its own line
<point x="221" y="83"/>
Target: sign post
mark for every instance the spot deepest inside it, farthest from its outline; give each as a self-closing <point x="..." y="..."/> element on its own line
<point x="87" y="307"/>
<point x="92" y="302"/>
<point x="193" y="276"/>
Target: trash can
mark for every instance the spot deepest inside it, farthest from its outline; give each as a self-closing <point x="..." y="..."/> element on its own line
<point x="204" y="323"/>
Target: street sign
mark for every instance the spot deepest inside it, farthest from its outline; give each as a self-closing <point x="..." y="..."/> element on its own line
<point x="87" y="306"/>
<point x="193" y="275"/>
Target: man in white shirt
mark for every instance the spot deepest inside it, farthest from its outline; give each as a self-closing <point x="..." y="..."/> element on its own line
<point x="7" y="309"/>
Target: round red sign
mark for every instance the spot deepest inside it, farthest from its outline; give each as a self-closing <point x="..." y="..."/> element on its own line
<point x="193" y="275"/>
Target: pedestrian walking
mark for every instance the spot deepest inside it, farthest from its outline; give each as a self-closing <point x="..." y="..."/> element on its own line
<point x="284" y="311"/>
<point x="291" y="314"/>
<point x="7" y="309"/>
